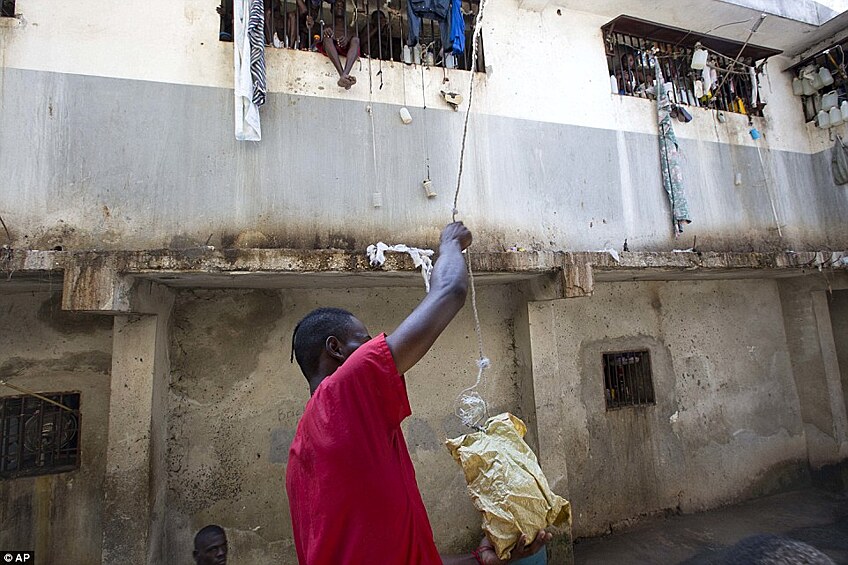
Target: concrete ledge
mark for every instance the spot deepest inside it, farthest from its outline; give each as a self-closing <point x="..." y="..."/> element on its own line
<point x="99" y="281"/>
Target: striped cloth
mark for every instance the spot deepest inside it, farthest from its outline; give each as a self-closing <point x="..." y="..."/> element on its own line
<point x="248" y="67"/>
<point x="256" y="36"/>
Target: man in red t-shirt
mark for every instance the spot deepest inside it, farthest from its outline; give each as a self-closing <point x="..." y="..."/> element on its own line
<point x="350" y="482"/>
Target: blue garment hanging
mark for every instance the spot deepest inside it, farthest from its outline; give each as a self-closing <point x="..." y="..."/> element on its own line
<point x="457" y="28"/>
<point x="414" y="19"/>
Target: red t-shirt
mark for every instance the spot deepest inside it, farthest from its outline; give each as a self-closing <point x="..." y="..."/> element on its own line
<point x="351" y="485"/>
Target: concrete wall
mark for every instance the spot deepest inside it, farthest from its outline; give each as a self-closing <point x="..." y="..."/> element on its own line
<point x="726" y="424"/>
<point x="236" y="400"/>
<point x="812" y="339"/>
<point x="44" y="349"/>
<point x="839" y="319"/>
<point x="105" y="147"/>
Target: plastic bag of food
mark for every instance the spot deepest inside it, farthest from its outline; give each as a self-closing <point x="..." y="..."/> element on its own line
<point x="506" y="483"/>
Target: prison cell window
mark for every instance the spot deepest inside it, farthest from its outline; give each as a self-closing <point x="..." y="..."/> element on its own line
<point x="630" y="43"/>
<point x="38" y="437"/>
<point x="383" y="30"/>
<point x="627" y="379"/>
<point x="7" y="9"/>
<point x="822" y="82"/>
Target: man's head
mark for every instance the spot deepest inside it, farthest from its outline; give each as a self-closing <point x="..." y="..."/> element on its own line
<point x="324" y="338"/>
<point x="378" y="17"/>
<point x="210" y="546"/>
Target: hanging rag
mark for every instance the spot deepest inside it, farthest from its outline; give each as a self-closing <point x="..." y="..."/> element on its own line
<point x="414" y="20"/>
<point x="420" y="258"/>
<point x="840" y="162"/>
<point x="506" y="483"/>
<point x="457" y="28"/>
<point x="431" y="9"/>
<point x="249" y="67"/>
<point x="755" y="87"/>
<point x="672" y="177"/>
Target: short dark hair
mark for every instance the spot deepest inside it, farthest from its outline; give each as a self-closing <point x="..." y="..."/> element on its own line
<point x="206" y="531"/>
<point x="311" y="333"/>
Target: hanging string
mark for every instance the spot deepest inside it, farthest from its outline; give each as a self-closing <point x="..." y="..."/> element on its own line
<point x="475" y="36"/>
<point x="370" y="110"/>
<point x="424" y="120"/>
<point x="470" y="407"/>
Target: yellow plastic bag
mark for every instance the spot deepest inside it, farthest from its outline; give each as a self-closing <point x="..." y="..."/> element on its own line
<point x="506" y="483"/>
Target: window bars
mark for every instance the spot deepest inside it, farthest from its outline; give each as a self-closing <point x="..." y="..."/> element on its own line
<point x="383" y="28"/>
<point x="38" y="437"/>
<point x="628" y="380"/>
<point x="631" y="74"/>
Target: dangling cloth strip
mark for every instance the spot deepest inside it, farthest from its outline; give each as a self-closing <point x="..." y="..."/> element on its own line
<point x="672" y="177"/>
<point x="248" y="67"/>
<point x="420" y="258"/>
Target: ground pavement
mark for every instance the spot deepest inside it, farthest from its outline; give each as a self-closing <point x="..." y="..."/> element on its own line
<point x="816" y="517"/>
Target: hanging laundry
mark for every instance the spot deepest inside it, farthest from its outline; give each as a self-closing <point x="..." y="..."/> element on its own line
<point x="431" y="9"/>
<point x="707" y="77"/>
<point x="754" y="87"/>
<point x="249" y="67"/>
<point x="414" y="21"/>
<point x="839" y="162"/>
<point x="457" y="28"/>
<point x="669" y="156"/>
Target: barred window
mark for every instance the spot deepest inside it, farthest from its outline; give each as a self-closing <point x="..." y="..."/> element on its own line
<point x="729" y="81"/>
<point x="821" y="82"/>
<point x="387" y="31"/>
<point x="628" y="379"/>
<point x="38" y="437"/>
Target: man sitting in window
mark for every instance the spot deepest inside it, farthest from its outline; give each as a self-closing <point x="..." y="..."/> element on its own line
<point x="337" y="42"/>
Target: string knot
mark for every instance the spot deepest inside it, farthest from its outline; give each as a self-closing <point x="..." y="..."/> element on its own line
<point x="483" y="363"/>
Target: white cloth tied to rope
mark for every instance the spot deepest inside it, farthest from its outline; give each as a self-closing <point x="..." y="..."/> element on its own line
<point x="420" y="258"/>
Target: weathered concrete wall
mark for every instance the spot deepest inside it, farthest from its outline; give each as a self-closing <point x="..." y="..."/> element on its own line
<point x="236" y="400"/>
<point x="103" y="148"/>
<point x="181" y="178"/>
<point x="135" y="479"/>
<point x="47" y="350"/>
<point x="810" y="335"/>
<point x="726" y="424"/>
<point x="839" y="319"/>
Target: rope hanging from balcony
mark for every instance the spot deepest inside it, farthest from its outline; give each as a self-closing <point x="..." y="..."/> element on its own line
<point x="470" y="407"/>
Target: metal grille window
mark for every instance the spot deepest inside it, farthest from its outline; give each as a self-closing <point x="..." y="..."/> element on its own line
<point x="628" y="379"/>
<point x="631" y="42"/>
<point x="7" y="8"/>
<point x="822" y="83"/>
<point x="38" y="437"/>
<point x="387" y="30"/>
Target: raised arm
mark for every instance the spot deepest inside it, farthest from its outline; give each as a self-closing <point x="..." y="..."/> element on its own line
<point x="448" y="287"/>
